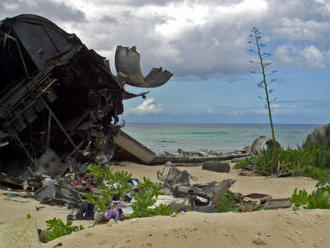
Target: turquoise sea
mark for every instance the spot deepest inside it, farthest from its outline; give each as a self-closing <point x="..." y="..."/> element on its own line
<point x="160" y="137"/>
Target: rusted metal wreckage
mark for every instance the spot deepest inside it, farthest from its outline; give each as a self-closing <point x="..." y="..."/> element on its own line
<point x="57" y="95"/>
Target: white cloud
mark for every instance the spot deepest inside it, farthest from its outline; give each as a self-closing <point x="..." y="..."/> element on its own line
<point x="313" y="57"/>
<point x="146" y="107"/>
<point x="309" y="56"/>
<point x="191" y="38"/>
<point x="284" y="54"/>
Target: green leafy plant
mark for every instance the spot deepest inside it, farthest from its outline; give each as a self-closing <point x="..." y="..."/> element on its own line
<point x="143" y="200"/>
<point x="256" y="37"/>
<point x="299" y="198"/>
<point x="324" y="182"/>
<point x="319" y="198"/>
<point x="56" y="228"/>
<point x="163" y="210"/>
<point x="113" y="183"/>
<point x="146" y="197"/>
<point x="149" y="186"/>
<point x="227" y="203"/>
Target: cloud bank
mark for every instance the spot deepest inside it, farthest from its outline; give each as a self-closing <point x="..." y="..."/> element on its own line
<point x="193" y="39"/>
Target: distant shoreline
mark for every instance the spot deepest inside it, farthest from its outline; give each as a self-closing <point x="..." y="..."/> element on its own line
<point x="161" y="137"/>
<point x="214" y="123"/>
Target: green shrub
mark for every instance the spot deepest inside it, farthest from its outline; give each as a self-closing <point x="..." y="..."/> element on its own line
<point x="308" y="161"/>
<point x="227" y="203"/>
<point x="299" y="198"/>
<point x="163" y="210"/>
<point x="319" y="198"/>
<point x="117" y="184"/>
<point x="143" y="200"/>
<point x="56" y="228"/>
<point x="112" y="184"/>
<point x="146" y="197"/>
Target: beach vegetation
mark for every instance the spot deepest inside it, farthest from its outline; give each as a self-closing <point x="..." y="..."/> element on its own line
<point x="147" y="197"/>
<point x="309" y="161"/>
<point x="56" y="228"/>
<point x="112" y="183"/>
<point x="116" y="184"/>
<point x="227" y="203"/>
<point x="319" y="198"/>
<point x="263" y="63"/>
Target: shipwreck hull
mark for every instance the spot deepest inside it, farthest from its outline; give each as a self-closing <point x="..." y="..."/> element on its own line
<point x="54" y="92"/>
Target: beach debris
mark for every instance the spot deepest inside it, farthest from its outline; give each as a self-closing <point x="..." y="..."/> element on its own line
<point x="236" y="160"/>
<point x="176" y="203"/>
<point x="199" y="157"/>
<point x="187" y="164"/>
<point x="190" y="154"/>
<point x="277" y="203"/>
<point x="99" y="217"/>
<point x="129" y="149"/>
<point x="205" y="209"/>
<point x="192" y="196"/>
<point x="207" y="152"/>
<point x="220" y="188"/>
<point x="261" y="144"/>
<point x="216" y="166"/>
<point x="60" y="101"/>
<point x="257" y="198"/>
<point x="112" y="213"/>
<point x="319" y="136"/>
<point x="86" y="211"/>
<point x="39" y="207"/>
<point x="58" y="245"/>
<point x="126" y="212"/>
<point x="174" y="176"/>
<point x="50" y="164"/>
<point x="35" y="183"/>
<point x="10" y="195"/>
<point x="196" y="195"/>
<point x="246" y="149"/>
<point x="166" y="153"/>
<point x="127" y="61"/>
<point x="57" y="194"/>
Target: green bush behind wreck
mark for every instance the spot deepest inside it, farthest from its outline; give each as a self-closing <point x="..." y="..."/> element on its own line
<point x="310" y="161"/>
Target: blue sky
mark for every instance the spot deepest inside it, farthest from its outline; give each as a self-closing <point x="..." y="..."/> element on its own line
<point x="204" y="44"/>
<point x="302" y="97"/>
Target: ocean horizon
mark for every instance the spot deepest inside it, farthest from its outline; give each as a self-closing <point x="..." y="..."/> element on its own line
<point x="161" y="137"/>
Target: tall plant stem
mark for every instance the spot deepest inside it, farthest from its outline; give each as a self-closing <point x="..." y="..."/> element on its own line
<point x="276" y="164"/>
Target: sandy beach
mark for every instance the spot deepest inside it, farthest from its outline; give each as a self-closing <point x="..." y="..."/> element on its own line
<point x="270" y="228"/>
